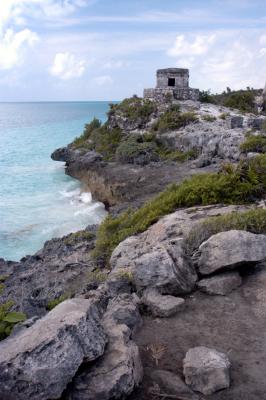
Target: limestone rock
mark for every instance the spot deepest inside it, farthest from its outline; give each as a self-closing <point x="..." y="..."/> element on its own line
<point x="235" y="121"/>
<point x="206" y="370"/>
<point x="172" y="384"/>
<point x="227" y="250"/>
<point x="222" y="284"/>
<point x="162" y="306"/>
<point x="38" y="362"/>
<point x="119" y="371"/>
<point x="61" y="267"/>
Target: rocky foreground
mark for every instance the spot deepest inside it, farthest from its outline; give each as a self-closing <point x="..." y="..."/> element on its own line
<point x="174" y="311"/>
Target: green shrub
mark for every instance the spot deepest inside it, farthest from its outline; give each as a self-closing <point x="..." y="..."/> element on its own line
<point x="134" y="108"/>
<point x="209" y="118"/>
<point x="231" y="185"/>
<point x="206" y="97"/>
<point x="252" y="221"/>
<point x="173" y="119"/>
<point x="80" y="235"/>
<point x="224" y="115"/>
<point x="241" y="100"/>
<point x="254" y="144"/>
<point x="88" y="129"/>
<point x="53" y="303"/>
<point x="8" y="319"/>
<point x="135" y="150"/>
<point x="176" y="155"/>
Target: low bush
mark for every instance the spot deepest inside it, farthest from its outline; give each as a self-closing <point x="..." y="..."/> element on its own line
<point x="224" y="115"/>
<point x="209" y="118"/>
<point x="70" y="240"/>
<point x="99" y="138"/>
<point x="254" y="144"/>
<point x="134" y="108"/>
<point x="176" y="155"/>
<point x="136" y="150"/>
<point x="8" y="319"/>
<point x="241" y="100"/>
<point x="173" y="120"/>
<point x="231" y="185"/>
<point x="53" y="303"/>
<point x="252" y="221"/>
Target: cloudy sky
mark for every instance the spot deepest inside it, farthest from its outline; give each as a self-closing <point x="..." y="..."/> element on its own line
<point x="110" y="49"/>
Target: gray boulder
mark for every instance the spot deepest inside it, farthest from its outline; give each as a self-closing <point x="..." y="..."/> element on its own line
<point x="39" y="362"/>
<point x="206" y="370"/>
<point x="119" y="371"/>
<point x="172" y="384"/>
<point x="222" y="284"/>
<point x="227" y="250"/>
<point x="235" y="121"/>
<point x="162" y="306"/>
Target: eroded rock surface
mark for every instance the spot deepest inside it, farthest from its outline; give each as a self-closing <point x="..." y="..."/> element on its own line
<point x="39" y="361"/>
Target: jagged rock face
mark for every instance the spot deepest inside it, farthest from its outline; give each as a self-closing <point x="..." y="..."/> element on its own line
<point x="119" y="371"/>
<point x="206" y="370"/>
<point x="62" y="267"/>
<point x="221" y="284"/>
<point x="228" y="250"/>
<point x="39" y="361"/>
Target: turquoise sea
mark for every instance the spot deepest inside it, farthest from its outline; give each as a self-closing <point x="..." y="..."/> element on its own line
<point x="37" y="200"/>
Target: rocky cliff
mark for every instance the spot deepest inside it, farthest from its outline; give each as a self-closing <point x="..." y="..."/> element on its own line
<point x="165" y="299"/>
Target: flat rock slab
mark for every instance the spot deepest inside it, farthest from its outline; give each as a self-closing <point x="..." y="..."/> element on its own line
<point x="38" y="362"/>
<point x="206" y="370"/>
<point x="162" y="306"/>
<point x="172" y="384"/>
<point x="227" y="250"/>
<point x="221" y="284"/>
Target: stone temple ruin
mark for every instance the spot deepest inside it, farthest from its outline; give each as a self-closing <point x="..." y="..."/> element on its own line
<point x="172" y="84"/>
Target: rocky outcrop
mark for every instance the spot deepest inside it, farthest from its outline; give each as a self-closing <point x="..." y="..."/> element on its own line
<point x="119" y="371"/>
<point x="62" y="268"/>
<point x="39" y="361"/>
<point x="221" y="284"/>
<point x="158" y="258"/>
<point x="228" y="250"/>
<point x="206" y="370"/>
<point x="162" y="306"/>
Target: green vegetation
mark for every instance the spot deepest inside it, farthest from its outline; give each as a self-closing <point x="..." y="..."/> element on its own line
<point x="173" y="119"/>
<point x="134" y="147"/>
<point x="254" y="144"/>
<point x="96" y="276"/>
<point x="224" y="115"/>
<point x="134" y="108"/>
<point x="99" y="138"/>
<point x="209" y="118"/>
<point x="53" y="303"/>
<point x="80" y="235"/>
<point x="8" y="319"/>
<point x="252" y="221"/>
<point x="231" y="185"/>
<point x="176" y="155"/>
<point x="243" y="100"/>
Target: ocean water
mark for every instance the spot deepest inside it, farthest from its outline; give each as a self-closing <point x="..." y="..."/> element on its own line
<point x="37" y="200"/>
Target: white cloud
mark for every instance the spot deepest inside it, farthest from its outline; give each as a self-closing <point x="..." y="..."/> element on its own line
<point x="67" y="66"/>
<point x="200" y="44"/>
<point x="223" y="58"/>
<point x="103" y="80"/>
<point x="13" y="47"/>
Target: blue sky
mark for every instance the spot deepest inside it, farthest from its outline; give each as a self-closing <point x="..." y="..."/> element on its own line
<point x="110" y="49"/>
